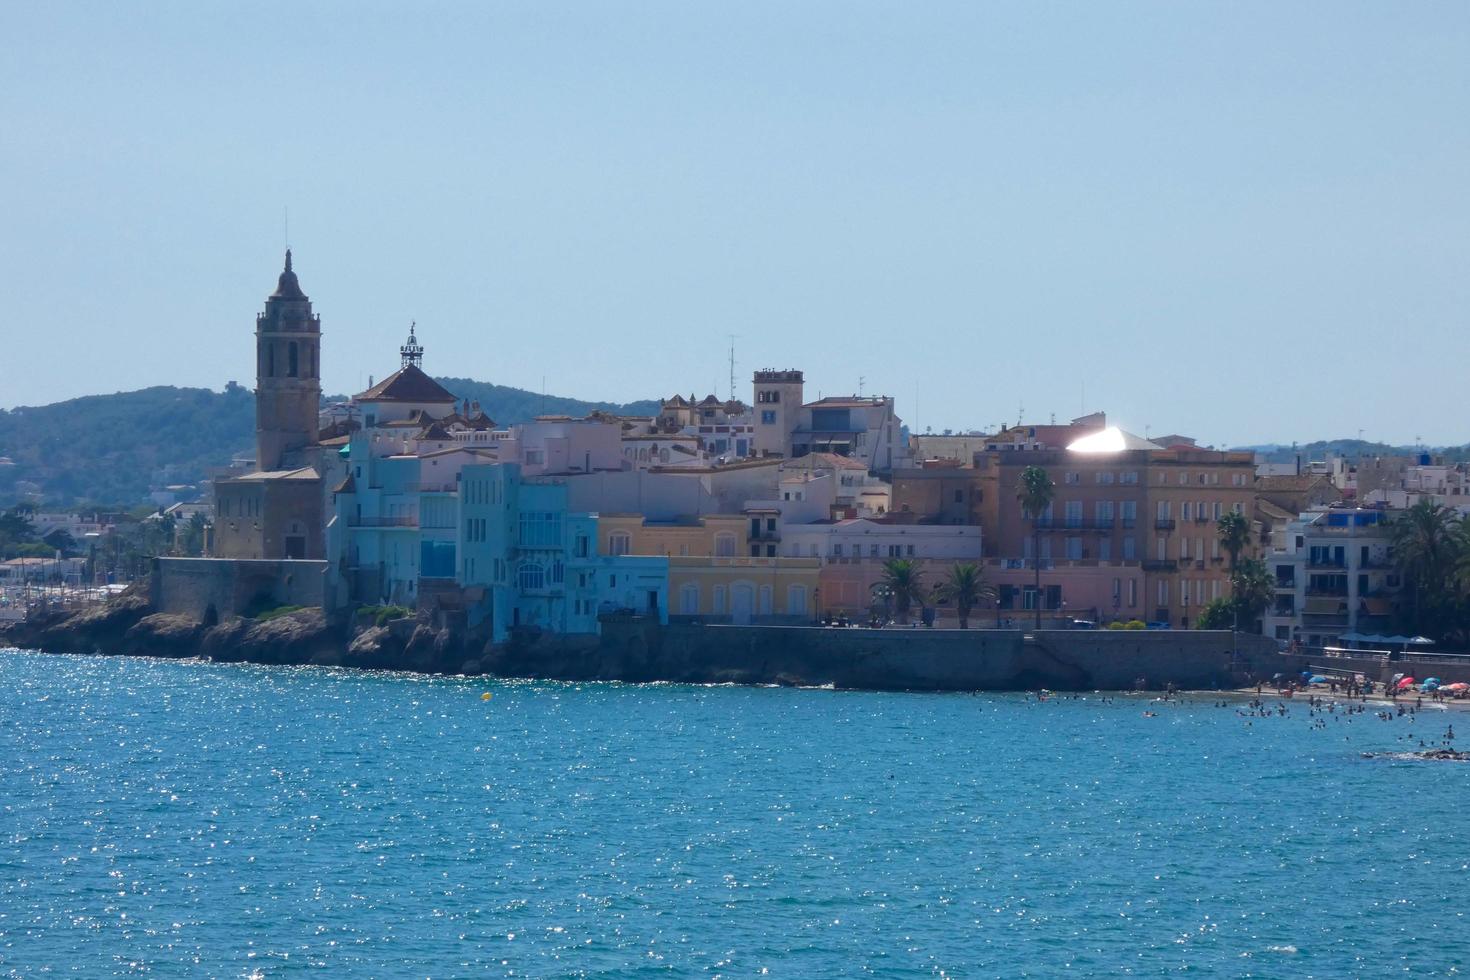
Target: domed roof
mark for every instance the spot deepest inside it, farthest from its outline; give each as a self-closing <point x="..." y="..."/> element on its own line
<point x="287" y="287"/>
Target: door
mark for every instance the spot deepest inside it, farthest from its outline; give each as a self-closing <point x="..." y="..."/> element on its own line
<point x="742" y="603"/>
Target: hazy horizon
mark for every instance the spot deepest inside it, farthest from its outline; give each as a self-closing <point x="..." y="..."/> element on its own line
<point x="1245" y="224"/>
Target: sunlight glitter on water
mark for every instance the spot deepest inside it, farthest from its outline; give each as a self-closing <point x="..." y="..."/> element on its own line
<point x="201" y="819"/>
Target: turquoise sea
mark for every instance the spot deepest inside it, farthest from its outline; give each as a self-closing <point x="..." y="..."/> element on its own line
<point x="172" y="819"/>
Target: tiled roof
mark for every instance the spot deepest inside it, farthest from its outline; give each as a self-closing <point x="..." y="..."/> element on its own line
<point x="407" y="384"/>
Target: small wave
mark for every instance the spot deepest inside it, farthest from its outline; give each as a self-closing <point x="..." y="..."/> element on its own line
<point x="1287" y="950"/>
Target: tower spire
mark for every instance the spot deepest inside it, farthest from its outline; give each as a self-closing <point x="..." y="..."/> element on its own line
<point x="288" y="260"/>
<point x="412" y="352"/>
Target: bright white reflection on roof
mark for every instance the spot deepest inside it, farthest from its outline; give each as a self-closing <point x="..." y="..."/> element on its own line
<point x="1110" y="440"/>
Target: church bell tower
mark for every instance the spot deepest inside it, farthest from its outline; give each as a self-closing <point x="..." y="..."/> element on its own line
<point x="288" y="385"/>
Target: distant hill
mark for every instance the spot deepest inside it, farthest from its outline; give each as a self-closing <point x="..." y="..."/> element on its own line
<point x="112" y="449"/>
<point x="1353" y="449"/>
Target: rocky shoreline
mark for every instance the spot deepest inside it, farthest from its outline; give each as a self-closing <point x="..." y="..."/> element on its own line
<point x="128" y="626"/>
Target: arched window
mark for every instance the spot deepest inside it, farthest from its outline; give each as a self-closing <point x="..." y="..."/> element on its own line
<point x="270" y="360"/>
<point x="765" y="606"/>
<point x="311" y="360"/>
<point x="619" y="543"/>
<point x="292" y="355"/>
<point x="796" y="600"/>
<point x="689" y="599"/>
<point x="531" y="576"/>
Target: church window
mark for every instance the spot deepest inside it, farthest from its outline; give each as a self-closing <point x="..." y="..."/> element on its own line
<point x="311" y="360"/>
<point x="270" y="360"/>
<point x="292" y="355"/>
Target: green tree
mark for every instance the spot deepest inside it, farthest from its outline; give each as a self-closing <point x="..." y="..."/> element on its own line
<point x="1035" y="496"/>
<point x="1429" y="546"/>
<point x="1219" y="614"/>
<point x="966" y="588"/>
<point x="1235" y="532"/>
<point x="905" y="579"/>
<point x="191" y="538"/>
<point x="1251" y="588"/>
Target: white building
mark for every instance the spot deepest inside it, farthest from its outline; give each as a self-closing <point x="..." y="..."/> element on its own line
<point x="1333" y="575"/>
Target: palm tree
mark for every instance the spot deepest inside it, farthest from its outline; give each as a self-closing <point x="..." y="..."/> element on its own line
<point x="1235" y="533"/>
<point x="966" y="588"/>
<point x="905" y="580"/>
<point x="1251" y="588"/>
<point x="1428" y="545"/>
<point x="1035" y="496"/>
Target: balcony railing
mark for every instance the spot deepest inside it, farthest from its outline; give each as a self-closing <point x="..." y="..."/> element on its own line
<point x="1159" y="565"/>
<point x="382" y="522"/>
<point x="1164" y="524"/>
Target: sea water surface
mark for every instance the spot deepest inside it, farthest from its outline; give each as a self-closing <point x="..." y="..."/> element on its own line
<point x="167" y="819"/>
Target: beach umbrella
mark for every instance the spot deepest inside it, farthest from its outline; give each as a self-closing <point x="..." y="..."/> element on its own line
<point x="1457" y="686"/>
<point x="1432" y="680"/>
<point x="1317" y="679"/>
<point x="1406" y="682"/>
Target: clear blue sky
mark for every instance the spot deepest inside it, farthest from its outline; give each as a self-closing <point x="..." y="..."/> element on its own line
<point x="1238" y="221"/>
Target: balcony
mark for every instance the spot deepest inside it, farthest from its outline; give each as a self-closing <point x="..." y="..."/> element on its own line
<point x="1160" y="565"/>
<point x="1164" y="524"/>
<point x="1327" y="563"/>
<point x="1332" y="592"/>
<point x="406" y="522"/>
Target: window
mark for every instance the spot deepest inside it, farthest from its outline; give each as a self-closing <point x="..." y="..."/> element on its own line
<point x="1105" y="549"/>
<point x="718" y="605"/>
<point x="619" y="543"/>
<point x="1132" y="592"/>
<point x="689" y="599"/>
<point x="796" y="600"/>
<point x="872" y="551"/>
<point x="531" y="576"/>
<point x="768" y="418"/>
<point x="1074" y="513"/>
<point x="895" y="551"/>
<point x="1130" y="477"/>
<point x="837" y="551"/>
<point x="1074" y="549"/>
<point x="581" y="549"/>
<point x="725" y="545"/>
<point x="540" y="529"/>
<point x="1072" y="478"/>
<point x="292" y="357"/>
<point x="911" y="551"/>
<point x="959" y="496"/>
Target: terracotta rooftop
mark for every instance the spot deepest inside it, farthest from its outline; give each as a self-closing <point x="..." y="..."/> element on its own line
<point x="408" y="384"/>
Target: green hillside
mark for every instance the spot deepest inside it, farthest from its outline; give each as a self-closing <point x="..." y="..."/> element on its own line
<point x="112" y="449"/>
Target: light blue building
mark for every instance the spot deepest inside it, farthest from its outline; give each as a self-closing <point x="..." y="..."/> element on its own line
<point x="394" y="524"/>
<point x="526" y="561"/>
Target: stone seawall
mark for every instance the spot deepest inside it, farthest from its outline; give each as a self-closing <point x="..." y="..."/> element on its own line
<point x="211" y="589"/>
<point x="638" y="650"/>
<point x="939" y="660"/>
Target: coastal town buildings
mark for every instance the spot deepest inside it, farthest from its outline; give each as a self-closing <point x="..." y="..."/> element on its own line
<point x="1333" y="577"/>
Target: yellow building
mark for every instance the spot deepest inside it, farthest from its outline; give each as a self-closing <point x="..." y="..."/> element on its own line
<point x="710" y="575"/>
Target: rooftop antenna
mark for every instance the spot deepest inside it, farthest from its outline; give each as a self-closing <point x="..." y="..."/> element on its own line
<point x="1020" y="412"/>
<point x="286" y="223"/>
<point x="862" y="382"/>
<point x="732" y="365"/>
